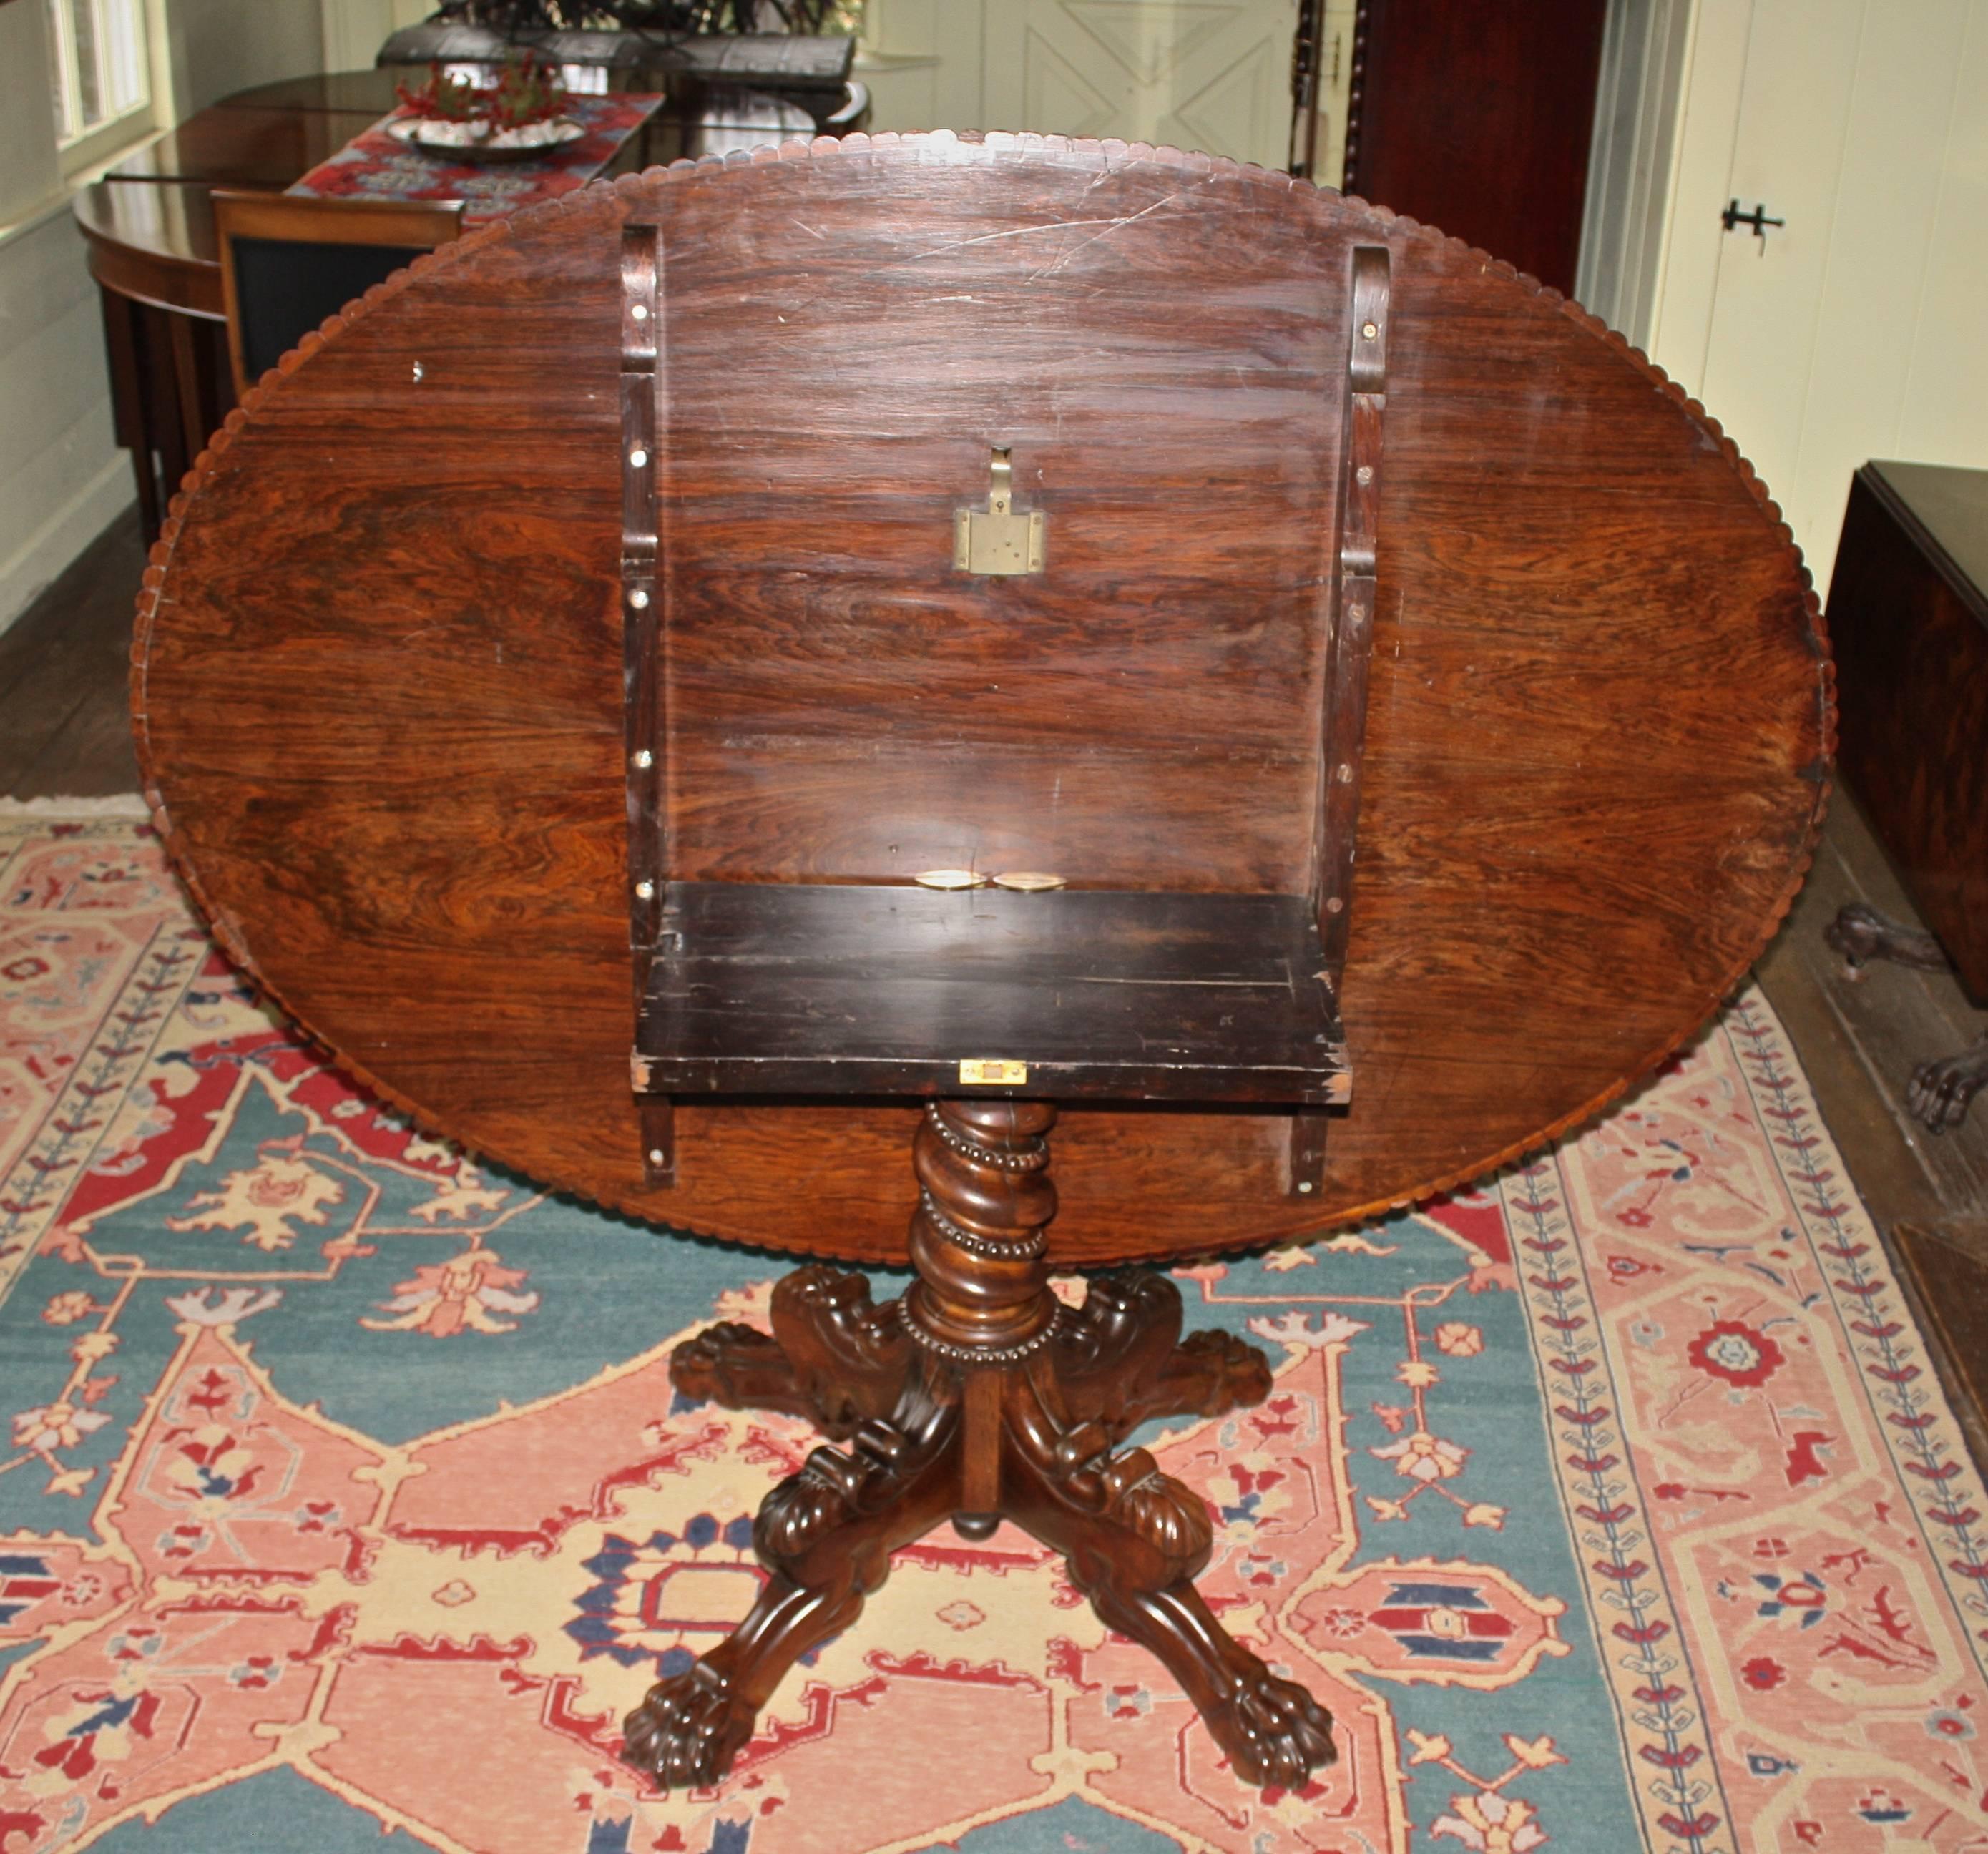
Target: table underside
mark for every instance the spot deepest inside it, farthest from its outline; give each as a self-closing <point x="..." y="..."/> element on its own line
<point x="840" y="989"/>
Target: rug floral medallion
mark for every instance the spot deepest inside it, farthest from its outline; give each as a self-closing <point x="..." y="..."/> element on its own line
<point x="345" y="1502"/>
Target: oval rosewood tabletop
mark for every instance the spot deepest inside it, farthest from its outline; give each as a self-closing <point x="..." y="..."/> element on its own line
<point x="378" y="687"/>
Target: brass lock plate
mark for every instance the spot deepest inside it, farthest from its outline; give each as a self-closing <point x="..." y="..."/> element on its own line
<point x="999" y="539"/>
<point x="992" y="1072"/>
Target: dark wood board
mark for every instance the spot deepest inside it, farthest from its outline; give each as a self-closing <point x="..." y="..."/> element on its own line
<point x="869" y="988"/>
<point x="1860" y="1033"/>
<point x="373" y="90"/>
<point x="377" y="685"/>
<point x="65" y="715"/>
<point x="1945" y="1269"/>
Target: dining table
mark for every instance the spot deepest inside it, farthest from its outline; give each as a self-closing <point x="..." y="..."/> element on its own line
<point x="148" y="223"/>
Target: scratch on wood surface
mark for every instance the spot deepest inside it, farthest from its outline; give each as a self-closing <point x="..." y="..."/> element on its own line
<point x="1027" y="232"/>
<point x="1110" y="226"/>
<point x="1247" y="984"/>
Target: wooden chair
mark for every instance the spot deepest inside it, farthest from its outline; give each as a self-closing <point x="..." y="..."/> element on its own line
<point x="288" y="262"/>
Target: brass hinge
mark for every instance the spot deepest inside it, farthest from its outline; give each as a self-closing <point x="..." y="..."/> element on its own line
<point x="997" y="539"/>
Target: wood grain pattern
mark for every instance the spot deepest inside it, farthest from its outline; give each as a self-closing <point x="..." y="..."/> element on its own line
<point x="892" y="714"/>
<point x="150" y="227"/>
<point x="382" y="727"/>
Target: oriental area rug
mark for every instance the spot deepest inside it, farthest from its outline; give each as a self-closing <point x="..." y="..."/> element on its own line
<point x="345" y="1504"/>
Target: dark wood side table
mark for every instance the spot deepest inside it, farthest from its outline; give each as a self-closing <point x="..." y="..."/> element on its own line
<point x="1909" y="613"/>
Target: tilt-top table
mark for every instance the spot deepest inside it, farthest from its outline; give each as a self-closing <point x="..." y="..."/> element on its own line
<point x="921" y="642"/>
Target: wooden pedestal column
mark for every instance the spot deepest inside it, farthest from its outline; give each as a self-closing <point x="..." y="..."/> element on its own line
<point x="979" y="1396"/>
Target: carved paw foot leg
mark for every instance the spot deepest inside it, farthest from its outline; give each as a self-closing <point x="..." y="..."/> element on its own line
<point x="1209" y="1373"/>
<point x="1940" y="1093"/>
<point x="1274" y="1731"/>
<point x="826" y="1534"/>
<point x="1861" y="934"/>
<point x="739" y="1366"/>
<point x="1135" y="1538"/>
<point x="831" y="1358"/>
<point x="688" y="1730"/>
<point x="1122" y="1361"/>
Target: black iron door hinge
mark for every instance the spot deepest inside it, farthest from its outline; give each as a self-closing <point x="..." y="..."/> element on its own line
<point x="1757" y="218"/>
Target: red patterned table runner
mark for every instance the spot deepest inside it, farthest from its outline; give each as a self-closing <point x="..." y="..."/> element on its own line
<point x="376" y="166"/>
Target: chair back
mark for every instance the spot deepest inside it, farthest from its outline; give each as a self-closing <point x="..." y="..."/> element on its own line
<point x="287" y="263"/>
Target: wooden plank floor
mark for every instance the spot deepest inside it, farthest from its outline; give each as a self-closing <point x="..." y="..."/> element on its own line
<point x="1858" y="1038"/>
<point x="65" y="719"/>
<point x="64" y="731"/>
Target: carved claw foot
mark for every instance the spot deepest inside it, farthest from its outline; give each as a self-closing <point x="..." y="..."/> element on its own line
<point x="1940" y="1093"/>
<point x="1861" y="934"/>
<point x="1212" y="1372"/>
<point x="1275" y="1733"/>
<point x="831" y="1358"/>
<point x="976" y="1398"/>
<point x="1134" y="1540"/>
<point x="825" y="1536"/>
<point x="739" y="1366"/>
<point x="688" y="1730"/>
<point x="1122" y="1361"/>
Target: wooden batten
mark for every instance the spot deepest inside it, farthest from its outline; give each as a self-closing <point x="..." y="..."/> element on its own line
<point x="1352" y="631"/>
<point x="1351" y="591"/>
<point x="643" y="630"/>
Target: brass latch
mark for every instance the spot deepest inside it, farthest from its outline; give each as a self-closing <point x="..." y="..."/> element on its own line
<point x="996" y="539"/>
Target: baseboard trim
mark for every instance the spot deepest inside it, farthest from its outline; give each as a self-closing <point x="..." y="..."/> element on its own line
<point x="35" y="564"/>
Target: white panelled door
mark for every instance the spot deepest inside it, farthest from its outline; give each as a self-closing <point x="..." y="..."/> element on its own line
<point x="354" y="30"/>
<point x="1213" y="75"/>
<point x="1856" y="330"/>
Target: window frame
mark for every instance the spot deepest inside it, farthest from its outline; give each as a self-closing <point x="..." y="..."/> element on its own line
<point x="103" y="140"/>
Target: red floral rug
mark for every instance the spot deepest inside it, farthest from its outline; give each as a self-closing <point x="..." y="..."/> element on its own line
<point x="1612" y="1507"/>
